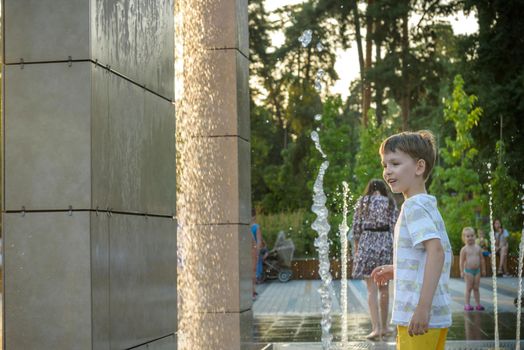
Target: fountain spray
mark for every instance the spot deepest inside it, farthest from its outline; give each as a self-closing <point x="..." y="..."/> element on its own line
<point x="519" y="296"/>
<point x="321" y="225"/>
<point x="493" y="259"/>
<point x="343" y="230"/>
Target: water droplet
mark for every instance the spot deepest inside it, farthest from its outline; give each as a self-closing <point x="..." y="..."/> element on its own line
<point x="318" y="117"/>
<point x="320" y="47"/>
<point x="314" y="136"/>
<point x="305" y="38"/>
<point x="320" y="73"/>
<point x="318" y="85"/>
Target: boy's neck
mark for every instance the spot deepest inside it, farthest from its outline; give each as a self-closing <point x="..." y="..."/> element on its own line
<point x="415" y="189"/>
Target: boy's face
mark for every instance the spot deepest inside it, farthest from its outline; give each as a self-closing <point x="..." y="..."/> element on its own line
<point x="401" y="171"/>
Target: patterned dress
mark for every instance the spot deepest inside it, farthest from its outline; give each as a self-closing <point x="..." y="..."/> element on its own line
<point x="373" y="224"/>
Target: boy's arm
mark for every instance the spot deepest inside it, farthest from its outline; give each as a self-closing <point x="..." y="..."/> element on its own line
<point x="432" y="271"/>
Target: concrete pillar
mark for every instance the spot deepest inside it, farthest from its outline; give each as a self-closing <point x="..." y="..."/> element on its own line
<point x="227" y="42"/>
<point x="218" y="65"/>
<point x="89" y="163"/>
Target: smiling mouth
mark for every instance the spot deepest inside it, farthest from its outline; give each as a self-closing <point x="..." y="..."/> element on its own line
<point x="391" y="182"/>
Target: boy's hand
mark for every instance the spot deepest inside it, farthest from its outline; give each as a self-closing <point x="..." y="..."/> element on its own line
<point x="419" y="322"/>
<point x="382" y="274"/>
<point x="462" y="275"/>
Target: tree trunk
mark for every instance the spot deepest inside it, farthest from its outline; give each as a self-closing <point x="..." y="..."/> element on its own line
<point x="307" y="65"/>
<point x="406" y="89"/>
<point x="359" y="45"/>
<point x="379" y="90"/>
<point x="366" y="100"/>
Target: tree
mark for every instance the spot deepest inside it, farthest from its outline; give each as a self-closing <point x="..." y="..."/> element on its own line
<point x="492" y="67"/>
<point x="415" y="61"/>
<point x="506" y="202"/>
<point x="457" y="184"/>
<point x="368" y="162"/>
<point x="282" y="86"/>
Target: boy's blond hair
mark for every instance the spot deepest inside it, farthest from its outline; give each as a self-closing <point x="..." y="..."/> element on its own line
<point x="419" y="145"/>
<point x="466" y="230"/>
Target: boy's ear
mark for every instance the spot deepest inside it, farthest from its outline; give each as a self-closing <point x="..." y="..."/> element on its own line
<point x="421" y="167"/>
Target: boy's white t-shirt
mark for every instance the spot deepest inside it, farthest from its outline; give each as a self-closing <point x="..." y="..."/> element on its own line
<point x="419" y="220"/>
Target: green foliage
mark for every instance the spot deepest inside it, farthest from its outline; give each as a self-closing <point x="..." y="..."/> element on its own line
<point x="459" y="110"/>
<point x="514" y="243"/>
<point x="286" y="178"/>
<point x="505" y="189"/>
<point x="457" y="184"/>
<point x="368" y="163"/>
<point x="265" y="137"/>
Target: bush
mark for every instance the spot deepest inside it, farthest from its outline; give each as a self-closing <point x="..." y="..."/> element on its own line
<point x="514" y="242"/>
<point x="297" y="226"/>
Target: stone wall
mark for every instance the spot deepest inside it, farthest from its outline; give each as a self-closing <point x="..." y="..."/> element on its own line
<point x="89" y="164"/>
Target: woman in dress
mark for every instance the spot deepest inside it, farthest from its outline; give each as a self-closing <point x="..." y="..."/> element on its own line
<point x="373" y="223"/>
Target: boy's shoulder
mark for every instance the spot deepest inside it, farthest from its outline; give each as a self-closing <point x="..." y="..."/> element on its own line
<point x="421" y="199"/>
<point x="420" y="202"/>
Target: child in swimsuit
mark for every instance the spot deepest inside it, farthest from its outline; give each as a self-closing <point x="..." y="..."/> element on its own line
<point x="471" y="264"/>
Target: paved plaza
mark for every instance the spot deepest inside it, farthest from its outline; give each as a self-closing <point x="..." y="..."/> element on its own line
<point x="290" y="313"/>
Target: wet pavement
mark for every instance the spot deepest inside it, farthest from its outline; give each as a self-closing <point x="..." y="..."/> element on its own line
<point x="290" y="313"/>
<point x="450" y="345"/>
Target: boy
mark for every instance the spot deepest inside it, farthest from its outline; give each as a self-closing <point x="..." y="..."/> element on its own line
<point x="421" y="251"/>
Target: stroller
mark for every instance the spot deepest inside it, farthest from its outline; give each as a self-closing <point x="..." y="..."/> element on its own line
<point x="278" y="262"/>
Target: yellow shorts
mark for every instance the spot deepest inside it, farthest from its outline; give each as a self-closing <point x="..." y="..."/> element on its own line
<point x="434" y="339"/>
